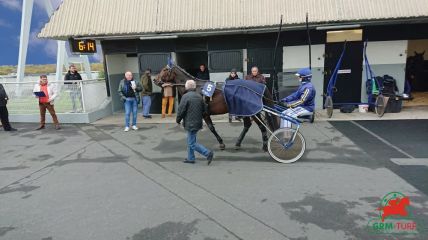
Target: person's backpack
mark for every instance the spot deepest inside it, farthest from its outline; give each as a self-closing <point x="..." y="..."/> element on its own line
<point x="389" y="86"/>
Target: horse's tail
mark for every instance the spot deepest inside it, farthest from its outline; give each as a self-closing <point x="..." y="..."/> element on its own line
<point x="272" y="120"/>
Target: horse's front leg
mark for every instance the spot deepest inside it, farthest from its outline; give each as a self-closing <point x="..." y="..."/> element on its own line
<point x="209" y="122"/>
<point x="263" y="130"/>
<point x="247" y="125"/>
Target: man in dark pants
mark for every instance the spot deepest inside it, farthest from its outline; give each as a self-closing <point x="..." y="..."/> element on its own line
<point x="4" y="114"/>
<point x="191" y="109"/>
<point x="73" y="87"/>
<point x="146" y="81"/>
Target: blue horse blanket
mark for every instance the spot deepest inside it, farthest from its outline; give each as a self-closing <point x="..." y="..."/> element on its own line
<point x="244" y="97"/>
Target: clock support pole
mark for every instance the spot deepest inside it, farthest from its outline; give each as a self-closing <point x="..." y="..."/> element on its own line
<point x="63" y="59"/>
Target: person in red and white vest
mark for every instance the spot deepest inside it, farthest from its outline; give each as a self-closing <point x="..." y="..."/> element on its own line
<point x="46" y="102"/>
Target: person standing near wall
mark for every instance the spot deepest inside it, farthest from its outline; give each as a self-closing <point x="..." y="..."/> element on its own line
<point x="46" y="101"/>
<point x="256" y="76"/>
<point x="203" y="73"/>
<point x="73" y="87"/>
<point x="129" y="91"/>
<point x="146" y="81"/>
<point x="232" y="76"/>
<point x="191" y="110"/>
<point x="168" y="95"/>
<point x="4" y="114"/>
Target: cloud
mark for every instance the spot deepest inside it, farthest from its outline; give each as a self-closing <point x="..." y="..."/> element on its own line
<point x="50" y="47"/>
<point x="3" y="23"/>
<point x="16" y="5"/>
<point x="98" y="56"/>
<point x="33" y="40"/>
<point x="11" y="4"/>
<point x="41" y="4"/>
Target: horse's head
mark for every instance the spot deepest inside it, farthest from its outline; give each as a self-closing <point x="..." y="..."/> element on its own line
<point x="164" y="76"/>
<point x="419" y="56"/>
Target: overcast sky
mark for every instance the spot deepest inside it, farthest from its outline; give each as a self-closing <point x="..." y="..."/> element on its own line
<point x="40" y="51"/>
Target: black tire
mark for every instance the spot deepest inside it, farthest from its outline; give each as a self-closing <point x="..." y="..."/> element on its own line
<point x="329" y="106"/>
<point x="286" y="155"/>
<point x="380" y="105"/>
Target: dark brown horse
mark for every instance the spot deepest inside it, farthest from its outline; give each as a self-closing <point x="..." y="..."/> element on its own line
<point x="217" y="105"/>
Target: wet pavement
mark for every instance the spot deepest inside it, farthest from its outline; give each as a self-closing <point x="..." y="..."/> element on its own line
<point x="98" y="182"/>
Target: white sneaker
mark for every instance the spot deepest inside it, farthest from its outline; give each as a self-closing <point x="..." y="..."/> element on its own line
<point x="134" y="127"/>
<point x="126" y="129"/>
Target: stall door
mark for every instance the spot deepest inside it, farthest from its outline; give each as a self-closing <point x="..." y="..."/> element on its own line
<point x="348" y="83"/>
<point x="155" y="61"/>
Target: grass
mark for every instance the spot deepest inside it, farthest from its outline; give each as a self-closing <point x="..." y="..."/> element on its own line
<point x="44" y="69"/>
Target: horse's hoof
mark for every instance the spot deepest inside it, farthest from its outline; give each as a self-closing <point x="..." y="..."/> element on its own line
<point x="222" y="146"/>
<point x="237" y="147"/>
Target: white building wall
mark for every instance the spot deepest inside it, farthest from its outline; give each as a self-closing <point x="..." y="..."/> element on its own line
<point x="386" y="57"/>
<point x="117" y="65"/>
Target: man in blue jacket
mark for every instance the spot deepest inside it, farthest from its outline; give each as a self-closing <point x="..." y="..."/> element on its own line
<point x="303" y="100"/>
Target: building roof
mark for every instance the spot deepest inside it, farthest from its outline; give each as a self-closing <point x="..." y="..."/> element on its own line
<point x="109" y="18"/>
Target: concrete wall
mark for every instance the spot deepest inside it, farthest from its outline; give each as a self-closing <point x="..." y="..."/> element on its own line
<point x="296" y="57"/>
<point x="117" y="65"/>
<point x="103" y="111"/>
<point x="386" y="57"/>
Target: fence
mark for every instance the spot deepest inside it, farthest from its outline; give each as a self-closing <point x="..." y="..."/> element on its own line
<point x="73" y="96"/>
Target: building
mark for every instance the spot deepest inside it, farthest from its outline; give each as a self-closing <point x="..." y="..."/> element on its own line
<point x="227" y="34"/>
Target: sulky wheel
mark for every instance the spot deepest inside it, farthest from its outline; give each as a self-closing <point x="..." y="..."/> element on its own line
<point x="329" y="106"/>
<point x="286" y="154"/>
<point x="380" y="105"/>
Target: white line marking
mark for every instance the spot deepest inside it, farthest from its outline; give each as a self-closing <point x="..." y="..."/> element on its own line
<point x="411" y="161"/>
<point x="382" y="140"/>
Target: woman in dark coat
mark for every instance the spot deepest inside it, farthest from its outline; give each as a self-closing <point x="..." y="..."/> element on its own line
<point x="232" y="76"/>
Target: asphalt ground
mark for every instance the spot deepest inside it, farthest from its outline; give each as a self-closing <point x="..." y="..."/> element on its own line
<point x="98" y="182"/>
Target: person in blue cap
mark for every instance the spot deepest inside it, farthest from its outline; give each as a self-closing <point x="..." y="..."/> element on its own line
<point x="303" y="100"/>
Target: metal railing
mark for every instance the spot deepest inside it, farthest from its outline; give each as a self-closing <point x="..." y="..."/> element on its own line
<point x="73" y="96"/>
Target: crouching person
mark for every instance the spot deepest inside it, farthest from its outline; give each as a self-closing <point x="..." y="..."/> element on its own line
<point x="191" y="110"/>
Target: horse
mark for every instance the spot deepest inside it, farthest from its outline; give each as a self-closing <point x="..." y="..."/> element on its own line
<point x="415" y="70"/>
<point x="217" y="105"/>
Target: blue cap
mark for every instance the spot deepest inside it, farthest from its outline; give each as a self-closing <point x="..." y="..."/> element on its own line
<point x="304" y="73"/>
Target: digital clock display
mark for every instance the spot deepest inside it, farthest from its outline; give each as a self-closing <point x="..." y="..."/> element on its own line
<point x="84" y="46"/>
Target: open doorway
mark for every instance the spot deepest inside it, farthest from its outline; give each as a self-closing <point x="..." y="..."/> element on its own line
<point x="190" y="61"/>
<point x="417" y="72"/>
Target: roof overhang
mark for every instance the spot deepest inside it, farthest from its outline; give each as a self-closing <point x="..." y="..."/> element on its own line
<point x="259" y="30"/>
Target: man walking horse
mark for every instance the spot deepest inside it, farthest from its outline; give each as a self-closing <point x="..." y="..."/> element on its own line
<point x="217" y="106"/>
